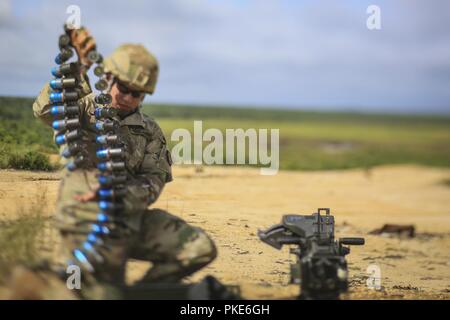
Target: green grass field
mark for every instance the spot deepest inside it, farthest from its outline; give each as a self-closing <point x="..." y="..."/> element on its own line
<point x="308" y="140"/>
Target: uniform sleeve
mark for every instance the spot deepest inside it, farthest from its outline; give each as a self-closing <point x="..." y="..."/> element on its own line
<point x="155" y="170"/>
<point x="42" y="105"/>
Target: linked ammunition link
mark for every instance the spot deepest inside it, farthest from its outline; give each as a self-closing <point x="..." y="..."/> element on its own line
<point x="65" y="109"/>
<point x="112" y="178"/>
<point x="112" y="175"/>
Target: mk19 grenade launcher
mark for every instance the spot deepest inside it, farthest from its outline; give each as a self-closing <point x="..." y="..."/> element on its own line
<point x="321" y="268"/>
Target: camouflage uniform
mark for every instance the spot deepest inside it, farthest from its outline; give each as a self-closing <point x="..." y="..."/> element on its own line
<point x="175" y="248"/>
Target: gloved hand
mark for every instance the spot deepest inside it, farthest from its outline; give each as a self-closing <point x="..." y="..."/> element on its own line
<point x="83" y="43"/>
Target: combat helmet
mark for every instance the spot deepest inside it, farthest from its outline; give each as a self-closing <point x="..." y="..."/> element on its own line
<point x="135" y="66"/>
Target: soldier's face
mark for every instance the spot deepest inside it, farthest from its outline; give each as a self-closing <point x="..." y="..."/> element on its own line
<point x="124" y="98"/>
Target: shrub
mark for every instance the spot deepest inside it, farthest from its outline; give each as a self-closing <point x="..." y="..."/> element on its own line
<point x="30" y="160"/>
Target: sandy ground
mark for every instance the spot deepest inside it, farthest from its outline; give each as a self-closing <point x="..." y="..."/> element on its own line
<point x="231" y="204"/>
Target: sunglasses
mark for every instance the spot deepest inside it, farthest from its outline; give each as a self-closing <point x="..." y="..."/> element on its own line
<point x="125" y="90"/>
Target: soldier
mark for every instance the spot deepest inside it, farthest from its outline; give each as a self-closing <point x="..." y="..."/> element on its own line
<point x="175" y="248"/>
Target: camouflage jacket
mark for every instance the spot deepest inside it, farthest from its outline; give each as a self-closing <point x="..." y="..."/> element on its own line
<point x="147" y="158"/>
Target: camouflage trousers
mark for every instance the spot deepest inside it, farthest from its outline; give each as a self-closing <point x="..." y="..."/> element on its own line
<point x="175" y="248"/>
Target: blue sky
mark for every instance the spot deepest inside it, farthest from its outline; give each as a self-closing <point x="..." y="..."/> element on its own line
<point x="292" y="54"/>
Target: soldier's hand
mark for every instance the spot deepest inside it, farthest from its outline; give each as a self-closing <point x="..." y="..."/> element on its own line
<point x="83" y="43"/>
<point x="88" y="196"/>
